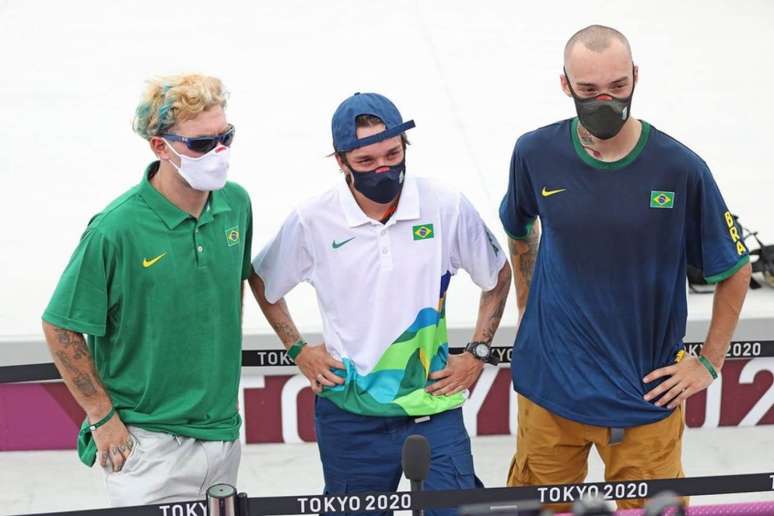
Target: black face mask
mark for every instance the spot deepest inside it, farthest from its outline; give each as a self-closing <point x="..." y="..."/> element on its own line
<point x="602" y="118"/>
<point x="381" y="187"/>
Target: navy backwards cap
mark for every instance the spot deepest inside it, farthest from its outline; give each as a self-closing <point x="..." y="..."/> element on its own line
<point x="344" y="126"/>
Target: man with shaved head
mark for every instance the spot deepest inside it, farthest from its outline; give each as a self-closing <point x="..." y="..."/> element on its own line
<point x="623" y="208"/>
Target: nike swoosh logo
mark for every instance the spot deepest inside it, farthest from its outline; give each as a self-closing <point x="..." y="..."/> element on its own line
<point x="548" y="193"/>
<point x="150" y="263"/>
<point x="336" y="245"/>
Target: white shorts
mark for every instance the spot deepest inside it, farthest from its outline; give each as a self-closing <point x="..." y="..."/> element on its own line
<point x="164" y="468"/>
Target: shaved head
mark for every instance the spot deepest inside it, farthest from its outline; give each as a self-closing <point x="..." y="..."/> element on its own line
<point x="596" y="38"/>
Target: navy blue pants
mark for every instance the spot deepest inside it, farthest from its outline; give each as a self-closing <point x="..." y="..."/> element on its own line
<point x="363" y="453"/>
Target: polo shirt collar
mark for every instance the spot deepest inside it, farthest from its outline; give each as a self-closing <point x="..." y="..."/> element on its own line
<point x="171" y="215"/>
<point x="408" y="206"/>
<point x="218" y="202"/>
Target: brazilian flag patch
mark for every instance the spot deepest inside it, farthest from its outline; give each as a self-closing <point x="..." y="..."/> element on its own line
<point x="659" y="199"/>
<point x="232" y="236"/>
<point x="423" y="232"/>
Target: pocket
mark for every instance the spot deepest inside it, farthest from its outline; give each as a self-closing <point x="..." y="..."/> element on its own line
<point x="680" y="419"/>
<point x="465" y="472"/>
<point x="131" y="460"/>
<point x="134" y="454"/>
<point x="518" y="473"/>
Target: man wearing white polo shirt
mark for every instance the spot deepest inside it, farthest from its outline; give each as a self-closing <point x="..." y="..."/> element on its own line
<point x="380" y="249"/>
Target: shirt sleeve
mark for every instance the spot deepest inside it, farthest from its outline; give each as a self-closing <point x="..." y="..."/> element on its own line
<point x="714" y="239"/>
<point x="80" y="302"/>
<point x="475" y="249"/>
<point x="286" y="260"/>
<point x="518" y="208"/>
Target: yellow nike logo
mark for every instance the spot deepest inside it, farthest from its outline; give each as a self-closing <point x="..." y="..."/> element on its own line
<point x="548" y="193"/>
<point x="150" y="263"/>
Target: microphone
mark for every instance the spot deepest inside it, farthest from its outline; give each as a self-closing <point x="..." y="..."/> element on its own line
<point x="415" y="461"/>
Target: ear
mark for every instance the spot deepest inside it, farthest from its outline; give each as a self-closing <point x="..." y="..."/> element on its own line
<point x="342" y="166"/>
<point x="636" y="74"/>
<point x="159" y="148"/>
<point x="565" y="85"/>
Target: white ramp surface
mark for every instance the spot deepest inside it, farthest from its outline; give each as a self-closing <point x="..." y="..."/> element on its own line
<point x="474" y="76"/>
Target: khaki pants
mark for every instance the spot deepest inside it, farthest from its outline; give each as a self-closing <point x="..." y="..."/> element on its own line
<point x="164" y="468"/>
<point x="553" y="450"/>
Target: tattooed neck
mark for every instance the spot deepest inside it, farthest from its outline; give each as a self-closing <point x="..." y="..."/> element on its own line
<point x="588" y="142"/>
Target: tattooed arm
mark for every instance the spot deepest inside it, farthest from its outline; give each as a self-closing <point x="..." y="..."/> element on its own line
<point x="463" y="370"/>
<point x="523" y="256"/>
<point x="491" y="307"/>
<point x="74" y="362"/>
<point x="314" y="361"/>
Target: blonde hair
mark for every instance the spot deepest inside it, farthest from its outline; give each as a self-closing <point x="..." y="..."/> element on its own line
<point x="175" y="98"/>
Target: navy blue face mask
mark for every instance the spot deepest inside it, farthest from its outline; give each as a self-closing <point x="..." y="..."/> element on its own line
<point x="381" y="187"/>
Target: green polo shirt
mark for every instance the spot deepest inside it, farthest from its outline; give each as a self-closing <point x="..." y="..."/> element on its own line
<point x="158" y="293"/>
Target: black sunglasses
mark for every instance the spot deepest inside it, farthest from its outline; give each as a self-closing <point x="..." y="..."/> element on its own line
<point x="204" y="144"/>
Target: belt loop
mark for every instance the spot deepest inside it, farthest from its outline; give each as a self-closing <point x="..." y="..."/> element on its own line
<point x="422" y="419"/>
<point x="616" y="436"/>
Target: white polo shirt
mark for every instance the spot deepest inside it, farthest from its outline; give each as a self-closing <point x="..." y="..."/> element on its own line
<point x="381" y="288"/>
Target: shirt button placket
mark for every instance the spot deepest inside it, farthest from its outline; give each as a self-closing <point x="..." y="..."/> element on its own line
<point x="199" y="247"/>
<point x="385" y="257"/>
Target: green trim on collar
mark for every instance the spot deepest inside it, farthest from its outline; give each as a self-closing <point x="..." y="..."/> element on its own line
<point x="608" y="165"/>
<point x="717" y="278"/>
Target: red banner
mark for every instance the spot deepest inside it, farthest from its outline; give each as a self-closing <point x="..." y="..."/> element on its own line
<point x="45" y="417"/>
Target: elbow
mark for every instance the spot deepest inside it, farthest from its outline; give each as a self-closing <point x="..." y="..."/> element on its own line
<point x="505" y="274"/>
<point x="503" y="285"/>
<point x="745" y="274"/>
<point x="47" y="327"/>
<point x="740" y="279"/>
<point x="257" y="286"/>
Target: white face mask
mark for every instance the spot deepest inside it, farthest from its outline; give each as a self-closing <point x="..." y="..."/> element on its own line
<point x="205" y="173"/>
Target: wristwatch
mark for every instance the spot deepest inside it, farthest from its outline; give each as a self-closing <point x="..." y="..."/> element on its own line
<point x="483" y="352"/>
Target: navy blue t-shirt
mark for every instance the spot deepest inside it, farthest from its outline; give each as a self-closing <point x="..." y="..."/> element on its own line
<point x="607" y="303"/>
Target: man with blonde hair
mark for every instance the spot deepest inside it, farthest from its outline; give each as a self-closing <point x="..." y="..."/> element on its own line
<point x="156" y="285"/>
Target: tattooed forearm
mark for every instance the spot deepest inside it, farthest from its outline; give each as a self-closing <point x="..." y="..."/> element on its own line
<point x="492" y="306"/>
<point x="523" y="257"/>
<point x="83" y="381"/>
<point x="73" y="341"/>
<point x="277" y="313"/>
<point x="72" y="358"/>
<point x="279" y="318"/>
<point x="286" y="331"/>
<point x="85" y="384"/>
<point x="527" y="260"/>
